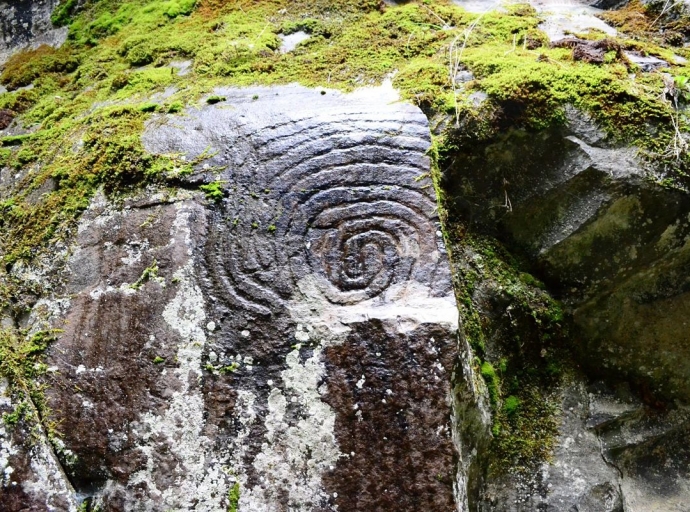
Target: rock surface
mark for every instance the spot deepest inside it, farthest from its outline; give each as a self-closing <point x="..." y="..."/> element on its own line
<point x="613" y="246"/>
<point x="27" y="23"/>
<point x="289" y="342"/>
<point x="294" y="342"/>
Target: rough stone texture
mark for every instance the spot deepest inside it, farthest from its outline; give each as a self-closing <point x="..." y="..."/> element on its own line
<point x="128" y="393"/>
<point x="27" y="23"/>
<point x="648" y="447"/>
<point x="297" y="339"/>
<point x="31" y="478"/>
<point x="578" y="477"/>
<point x="613" y="246"/>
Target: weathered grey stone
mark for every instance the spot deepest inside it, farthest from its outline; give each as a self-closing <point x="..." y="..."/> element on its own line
<point x="613" y="245"/>
<point x="333" y="296"/>
<point x="27" y="23"/>
<point x="577" y="478"/>
<point x="648" y="447"/>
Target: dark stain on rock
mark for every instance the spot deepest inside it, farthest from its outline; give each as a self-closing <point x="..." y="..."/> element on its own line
<point x="6" y="118"/>
<point x="391" y="394"/>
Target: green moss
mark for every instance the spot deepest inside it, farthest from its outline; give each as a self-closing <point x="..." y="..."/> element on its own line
<point x="14" y="140"/>
<point x="21" y="363"/>
<point x="26" y="66"/>
<point x="148" y="107"/>
<point x="520" y="341"/>
<point x="214" y="190"/>
<point x="234" y="498"/>
<point x="175" y="107"/>
<point x="212" y="100"/>
<point x="493" y="383"/>
<point x="149" y="273"/>
<point x="62" y="14"/>
<point x="511" y="405"/>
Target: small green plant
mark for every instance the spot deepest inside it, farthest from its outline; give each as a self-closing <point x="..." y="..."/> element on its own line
<point x="158" y="360"/>
<point x="272" y="228"/>
<point x="234" y="498"/>
<point x="493" y="383"/>
<point x="21" y="364"/>
<point x="212" y="100"/>
<point x="222" y="369"/>
<point x="14" y="140"/>
<point x="12" y="418"/>
<point x="148" y="107"/>
<point x="149" y="273"/>
<point x="213" y="190"/>
<point x="175" y="107"/>
<point x="511" y="405"/>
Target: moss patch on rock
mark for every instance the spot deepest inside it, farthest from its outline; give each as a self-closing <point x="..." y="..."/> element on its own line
<point x="519" y="335"/>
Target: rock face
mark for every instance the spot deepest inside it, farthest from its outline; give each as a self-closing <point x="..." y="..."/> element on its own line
<point x="290" y="347"/>
<point x="27" y="22"/>
<point x="613" y="246"/>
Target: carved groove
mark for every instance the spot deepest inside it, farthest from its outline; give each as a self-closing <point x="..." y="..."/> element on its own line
<point x="347" y="208"/>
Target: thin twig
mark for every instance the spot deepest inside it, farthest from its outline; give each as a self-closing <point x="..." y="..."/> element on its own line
<point x="664" y="10"/>
<point x="513" y="48"/>
<point x="445" y="23"/>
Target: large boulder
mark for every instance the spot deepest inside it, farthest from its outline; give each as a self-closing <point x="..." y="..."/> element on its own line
<point x="287" y="343"/>
<point x="592" y="221"/>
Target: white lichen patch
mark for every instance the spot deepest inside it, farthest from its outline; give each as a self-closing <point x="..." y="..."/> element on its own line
<point x="199" y="480"/>
<point x="407" y="305"/>
<point x="49" y="484"/>
<point x="135" y="250"/>
<point x="48" y="313"/>
<point x="6" y="448"/>
<point x="295" y="454"/>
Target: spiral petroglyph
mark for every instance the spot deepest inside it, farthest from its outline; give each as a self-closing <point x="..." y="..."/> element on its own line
<point x="363" y="240"/>
<point x="350" y="202"/>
